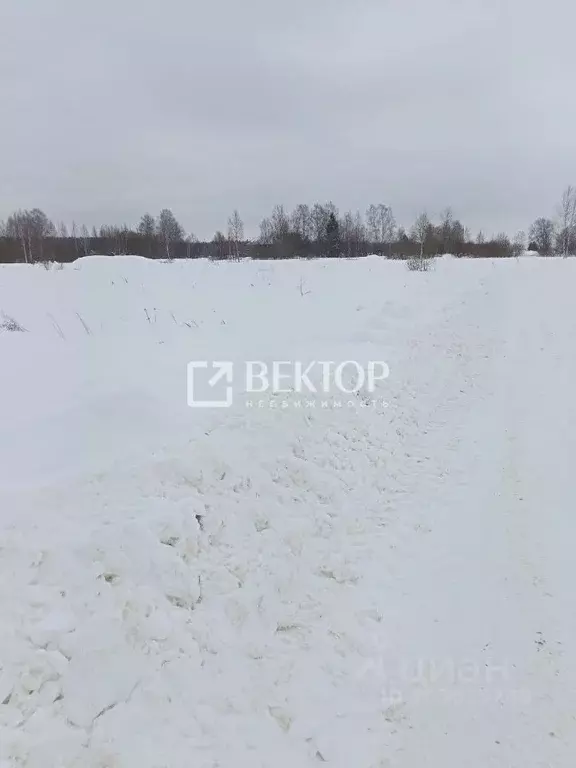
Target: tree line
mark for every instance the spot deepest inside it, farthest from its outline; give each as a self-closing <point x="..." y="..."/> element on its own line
<point x="308" y="231"/>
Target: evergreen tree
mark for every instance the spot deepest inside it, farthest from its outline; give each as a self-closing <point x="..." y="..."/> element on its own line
<point x="332" y="235"/>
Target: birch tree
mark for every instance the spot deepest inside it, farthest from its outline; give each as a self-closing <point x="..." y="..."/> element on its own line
<point x="235" y="233"/>
<point x="421" y="231"/>
<point x="567" y="222"/>
<point x="169" y="231"/>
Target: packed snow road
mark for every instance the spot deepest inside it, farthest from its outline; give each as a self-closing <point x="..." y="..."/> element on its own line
<point x="384" y="586"/>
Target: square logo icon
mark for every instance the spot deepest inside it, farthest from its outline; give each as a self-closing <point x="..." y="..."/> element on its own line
<point x="210" y="384"/>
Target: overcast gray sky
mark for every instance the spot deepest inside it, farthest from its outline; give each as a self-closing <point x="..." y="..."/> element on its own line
<point x="116" y="107"/>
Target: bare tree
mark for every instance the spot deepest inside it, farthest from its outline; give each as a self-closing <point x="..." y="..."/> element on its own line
<point x="280" y="223"/>
<point x="190" y="239"/>
<point x="219" y="243"/>
<point x="504" y="246"/>
<point x="235" y="233"/>
<point x="117" y="237"/>
<point x="169" y="231"/>
<point x="421" y="231"/>
<point x="460" y="236"/>
<point x="380" y="226"/>
<point x="266" y="232"/>
<point x="41" y="224"/>
<point x="321" y="216"/>
<point x="373" y="223"/>
<point x="31" y="228"/>
<point x="567" y="217"/>
<point x="353" y="235"/>
<point x="147" y="226"/>
<point x="359" y="228"/>
<point x="301" y="221"/>
<point x="451" y="233"/>
<point x="16" y="228"/>
<point x="519" y="243"/>
<point x="387" y="225"/>
<point x="446" y="229"/>
<point x="347" y="234"/>
<point x="147" y="231"/>
<point x="74" y="236"/>
<point x="542" y="236"/>
<point x="85" y="239"/>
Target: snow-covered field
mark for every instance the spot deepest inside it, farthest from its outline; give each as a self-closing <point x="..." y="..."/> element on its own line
<point x="377" y="587"/>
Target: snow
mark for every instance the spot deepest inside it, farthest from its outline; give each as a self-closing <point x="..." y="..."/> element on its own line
<point x="383" y="587"/>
